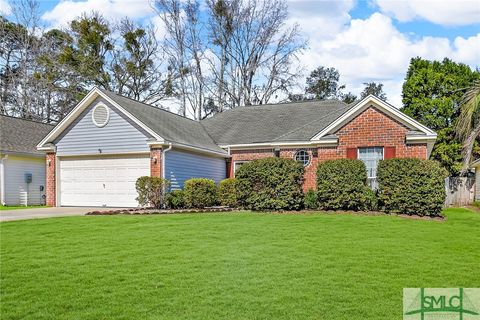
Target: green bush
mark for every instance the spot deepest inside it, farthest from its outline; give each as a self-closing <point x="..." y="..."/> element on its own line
<point x="371" y="200"/>
<point x="411" y="186"/>
<point x="227" y="193"/>
<point x="151" y="191"/>
<point x="476" y="204"/>
<point x="310" y="200"/>
<point x="175" y="199"/>
<point x="341" y="185"/>
<point x="199" y="193"/>
<point x="270" y="184"/>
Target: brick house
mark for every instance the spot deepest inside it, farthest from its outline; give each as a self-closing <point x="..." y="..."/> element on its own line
<point x="97" y="152"/>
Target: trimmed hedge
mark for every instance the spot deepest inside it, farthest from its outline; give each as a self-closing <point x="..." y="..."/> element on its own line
<point x="199" y="193"/>
<point x="175" y="199"/>
<point x="151" y="191"/>
<point x="270" y="184"/>
<point x="411" y="186"/>
<point x="341" y="185"/>
<point x="227" y="193"/>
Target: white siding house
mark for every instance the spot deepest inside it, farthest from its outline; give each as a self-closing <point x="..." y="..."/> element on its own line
<point x="22" y="167"/>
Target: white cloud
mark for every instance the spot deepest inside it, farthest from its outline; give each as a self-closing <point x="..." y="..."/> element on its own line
<point x="66" y="11"/>
<point x="5" y="8"/>
<point x="375" y="50"/>
<point x="442" y="12"/>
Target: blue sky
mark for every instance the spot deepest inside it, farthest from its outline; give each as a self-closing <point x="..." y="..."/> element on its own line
<point x="371" y="40"/>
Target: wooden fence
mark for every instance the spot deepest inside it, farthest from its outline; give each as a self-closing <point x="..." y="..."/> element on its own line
<point x="460" y="191"/>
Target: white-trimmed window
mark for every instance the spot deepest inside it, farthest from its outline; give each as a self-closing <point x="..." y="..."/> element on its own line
<point x="238" y="164"/>
<point x="303" y="157"/>
<point x="370" y="156"/>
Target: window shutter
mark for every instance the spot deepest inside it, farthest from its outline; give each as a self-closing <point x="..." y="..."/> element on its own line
<point x="352" y="153"/>
<point x="389" y="153"/>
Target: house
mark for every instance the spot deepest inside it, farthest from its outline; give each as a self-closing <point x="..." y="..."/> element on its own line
<point x="22" y="166"/>
<point x="95" y="155"/>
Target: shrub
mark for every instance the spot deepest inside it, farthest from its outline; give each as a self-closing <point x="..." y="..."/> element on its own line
<point x="411" y="186"/>
<point x="371" y="200"/>
<point x="199" y="193"/>
<point x="270" y="184"/>
<point x="175" y="199"/>
<point x="151" y="191"/>
<point x="310" y="200"/>
<point x="227" y="193"/>
<point x="341" y="185"/>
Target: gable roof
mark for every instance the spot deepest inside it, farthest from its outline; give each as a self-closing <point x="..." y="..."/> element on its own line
<point x="20" y="135"/>
<point x="285" y="122"/>
<point x="166" y="127"/>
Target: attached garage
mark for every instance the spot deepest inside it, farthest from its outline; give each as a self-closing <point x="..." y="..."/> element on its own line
<point x="107" y="181"/>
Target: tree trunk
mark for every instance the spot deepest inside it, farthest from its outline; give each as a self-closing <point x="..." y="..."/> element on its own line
<point x="468" y="148"/>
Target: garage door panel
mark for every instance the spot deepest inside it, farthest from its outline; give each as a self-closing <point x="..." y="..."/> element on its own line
<point x="101" y="181"/>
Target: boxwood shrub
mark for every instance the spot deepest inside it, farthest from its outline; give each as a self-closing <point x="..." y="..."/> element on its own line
<point x="199" y="193"/>
<point x="270" y="184"/>
<point x="411" y="186"/>
<point x="175" y="199"/>
<point x="310" y="200"/>
<point x="151" y="191"/>
<point x="227" y="193"/>
<point x="341" y="185"/>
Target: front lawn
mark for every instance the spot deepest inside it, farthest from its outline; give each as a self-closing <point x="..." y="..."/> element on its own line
<point x="231" y="265"/>
<point x="20" y="207"/>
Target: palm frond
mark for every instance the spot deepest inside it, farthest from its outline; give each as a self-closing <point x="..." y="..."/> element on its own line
<point x="469" y="108"/>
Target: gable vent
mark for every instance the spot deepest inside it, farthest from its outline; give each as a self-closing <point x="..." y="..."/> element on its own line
<point x="100" y="115"/>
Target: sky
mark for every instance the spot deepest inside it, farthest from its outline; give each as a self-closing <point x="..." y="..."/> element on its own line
<point x="369" y="40"/>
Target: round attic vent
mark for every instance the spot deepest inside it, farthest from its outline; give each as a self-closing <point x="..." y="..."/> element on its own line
<point x="100" y="115"/>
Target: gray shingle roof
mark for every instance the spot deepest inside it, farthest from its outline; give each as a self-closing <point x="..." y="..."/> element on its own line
<point x="274" y="123"/>
<point x="20" y="135"/>
<point x="170" y="126"/>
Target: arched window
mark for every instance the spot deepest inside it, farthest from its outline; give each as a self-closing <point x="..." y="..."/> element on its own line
<point x="303" y="157"/>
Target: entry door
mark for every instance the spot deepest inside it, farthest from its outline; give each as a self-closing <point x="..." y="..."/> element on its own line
<point x="107" y="181"/>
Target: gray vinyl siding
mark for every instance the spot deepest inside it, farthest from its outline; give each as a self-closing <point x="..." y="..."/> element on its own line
<point x="120" y="135"/>
<point x="181" y="166"/>
<point x="477" y="183"/>
<point x="15" y="169"/>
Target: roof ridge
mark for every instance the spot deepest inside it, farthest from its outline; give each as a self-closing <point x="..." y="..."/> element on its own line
<point x="30" y="120"/>
<point x="316" y="119"/>
<point x="149" y="105"/>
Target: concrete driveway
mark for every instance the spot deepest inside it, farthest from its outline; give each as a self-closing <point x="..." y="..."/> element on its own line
<point x="22" y="214"/>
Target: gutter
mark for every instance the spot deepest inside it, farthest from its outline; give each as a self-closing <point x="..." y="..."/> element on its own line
<point x="163" y="158"/>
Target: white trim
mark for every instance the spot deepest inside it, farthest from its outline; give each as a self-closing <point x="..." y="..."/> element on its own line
<point x="237" y="162"/>
<point x="2" y="176"/>
<point x="363" y="105"/>
<point x="308" y="154"/>
<point x="82" y="105"/>
<point x="127" y="153"/>
<point x="100" y="104"/>
<point x="326" y="142"/>
<point x="420" y="138"/>
<point x="188" y="147"/>
<point x="164" y="154"/>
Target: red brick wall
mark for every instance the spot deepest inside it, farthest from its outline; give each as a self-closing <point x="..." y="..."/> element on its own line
<point x="50" y="186"/>
<point x="156" y="162"/>
<point x="372" y="128"/>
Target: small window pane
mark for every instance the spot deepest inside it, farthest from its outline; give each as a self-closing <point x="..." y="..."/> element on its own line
<point x="370" y="156"/>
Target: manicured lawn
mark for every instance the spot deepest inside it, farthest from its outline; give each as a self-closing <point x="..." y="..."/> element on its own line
<point x="231" y="266"/>
<point x="19" y="207"/>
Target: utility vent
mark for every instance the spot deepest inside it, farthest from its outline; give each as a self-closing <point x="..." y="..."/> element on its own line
<point x="100" y="115"/>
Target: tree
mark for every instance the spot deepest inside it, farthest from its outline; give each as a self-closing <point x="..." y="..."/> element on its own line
<point x="432" y="92"/>
<point x="375" y="89"/>
<point x="468" y="123"/>
<point x="349" y="97"/>
<point x="322" y="83"/>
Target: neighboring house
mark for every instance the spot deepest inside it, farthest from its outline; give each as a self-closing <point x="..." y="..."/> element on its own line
<point x="21" y="161"/>
<point x="95" y="155"/>
<point x="476" y="166"/>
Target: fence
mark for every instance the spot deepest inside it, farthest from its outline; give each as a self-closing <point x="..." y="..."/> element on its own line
<point x="460" y="191"/>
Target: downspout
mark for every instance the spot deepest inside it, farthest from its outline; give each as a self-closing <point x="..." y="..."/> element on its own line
<point x="2" y="174"/>
<point x="163" y="159"/>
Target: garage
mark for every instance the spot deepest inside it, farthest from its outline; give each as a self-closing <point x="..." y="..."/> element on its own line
<point x="103" y="181"/>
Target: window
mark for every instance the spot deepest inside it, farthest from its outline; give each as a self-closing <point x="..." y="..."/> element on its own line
<point x="100" y="115"/>
<point x="370" y="156"/>
<point x="303" y="157"/>
<point x="237" y="164"/>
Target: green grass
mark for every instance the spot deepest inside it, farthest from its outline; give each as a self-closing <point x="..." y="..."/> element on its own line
<point x="19" y="207"/>
<point x="231" y="265"/>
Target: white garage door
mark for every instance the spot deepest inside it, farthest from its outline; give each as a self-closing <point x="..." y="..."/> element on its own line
<point x="101" y="181"/>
